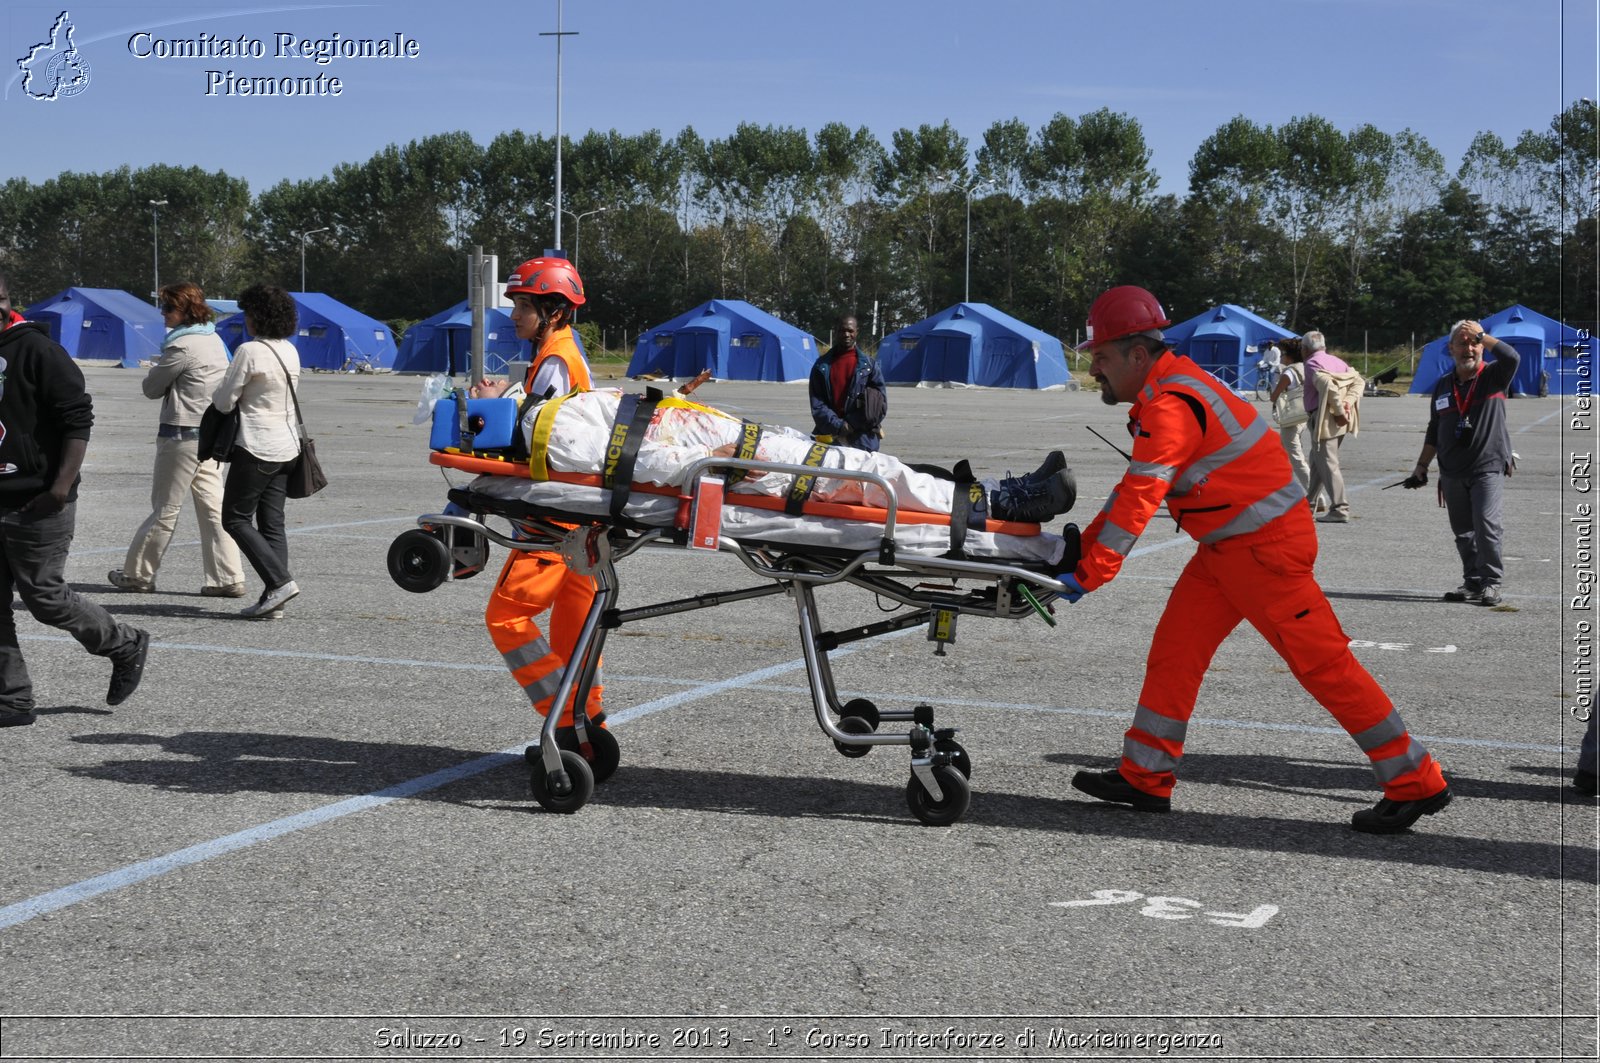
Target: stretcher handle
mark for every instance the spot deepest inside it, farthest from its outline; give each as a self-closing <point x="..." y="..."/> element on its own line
<point x="891" y="506"/>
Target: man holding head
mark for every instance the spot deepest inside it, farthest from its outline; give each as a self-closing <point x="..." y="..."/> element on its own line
<point x="1226" y="481"/>
<point x="1467" y="430"/>
<point x="848" y="401"/>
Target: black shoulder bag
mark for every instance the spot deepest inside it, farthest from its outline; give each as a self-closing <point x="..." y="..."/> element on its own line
<point x="306" y="477"/>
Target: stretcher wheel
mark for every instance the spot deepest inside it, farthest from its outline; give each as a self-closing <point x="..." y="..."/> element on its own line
<point x="418" y="561"/>
<point x="853" y="725"/>
<point x="604" y="756"/>
<point x="864" y="709"/>
<point x="577" y="770"/>
<point x="957" y="796"/>
<point x="959" y="759"/>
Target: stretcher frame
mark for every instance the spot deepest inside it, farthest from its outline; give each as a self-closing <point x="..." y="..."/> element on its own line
<point x="566" y="764"/>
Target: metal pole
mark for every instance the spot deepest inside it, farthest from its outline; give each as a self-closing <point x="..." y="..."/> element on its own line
<point x="310" y="232"/>
<point x="155" y="246"/>
<point x="475" y="301"/>
<point x="558" y="34"/>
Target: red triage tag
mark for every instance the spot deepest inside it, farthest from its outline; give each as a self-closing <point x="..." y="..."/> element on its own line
<point x="705" y="519"/>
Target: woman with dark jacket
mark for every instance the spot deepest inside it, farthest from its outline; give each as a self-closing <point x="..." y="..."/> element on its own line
<point x="260" y="385"/>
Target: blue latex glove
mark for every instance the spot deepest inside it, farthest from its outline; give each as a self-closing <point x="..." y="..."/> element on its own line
<point x="1074" y="588"/>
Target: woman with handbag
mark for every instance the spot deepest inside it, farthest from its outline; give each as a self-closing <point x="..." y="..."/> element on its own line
<point x="1288" y="410"/>
<point x="193" y="360"/>
<point x="260" y="385"/>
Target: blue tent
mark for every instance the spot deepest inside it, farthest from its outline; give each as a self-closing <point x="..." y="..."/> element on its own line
<point x="973" y="345"/>
<point x="730" y="337"/>
<point x="1226" y="341"/>
<point x="1554" y="357"/>
<point x="443" y="342"/>
<point x="101" y="324"/>
<point x="329" y="335"/>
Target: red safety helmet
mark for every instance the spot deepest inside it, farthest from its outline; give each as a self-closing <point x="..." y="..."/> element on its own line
<point x="547" y="276"/>
<point x="1123" y="311"/>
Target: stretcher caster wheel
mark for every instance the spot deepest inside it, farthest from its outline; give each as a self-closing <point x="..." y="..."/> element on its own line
<point x="942" y="813"/>
<point x="418" y="561"/>
<point x="959" y="759"/>
<point x="580" y="783"/>
<point x="863" y="709"/>
<point x="853" y="725"/>
<point x="604" y="753"/>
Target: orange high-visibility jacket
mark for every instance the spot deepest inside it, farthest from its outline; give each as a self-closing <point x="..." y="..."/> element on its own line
<point x="560" y="344"/>
<point x="1208" y="454"/>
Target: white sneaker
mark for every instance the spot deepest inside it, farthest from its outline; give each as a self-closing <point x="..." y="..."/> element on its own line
<point x="271" y="601"/>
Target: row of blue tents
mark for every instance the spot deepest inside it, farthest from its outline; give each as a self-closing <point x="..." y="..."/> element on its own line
<point x="968" y="344"/>
<point x="106" y="324"/>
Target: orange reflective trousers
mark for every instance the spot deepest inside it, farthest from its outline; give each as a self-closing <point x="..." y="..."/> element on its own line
<point x="1265" y="578"/>
<point x="529" y="585"/>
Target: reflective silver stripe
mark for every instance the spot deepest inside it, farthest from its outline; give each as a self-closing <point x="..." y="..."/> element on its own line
<point x="1385" y="730"/>
<point x="1165" y="473"/>
<point x="1117" y="540"/>
<point x="1259" y="514"/>
<point x="1240" y="440"/>
<point x="1148" y="757"/>
<point x="1156" y="725"/>
<point x="545" y="686"/>
<point x="526" y="654"/>
<point x="1111" y="499"/>
<point x="1391" y="768"/>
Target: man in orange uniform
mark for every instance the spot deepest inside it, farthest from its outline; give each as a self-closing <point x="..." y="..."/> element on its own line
<point x="1227" y="482"/>
<point x="544" y="292"/>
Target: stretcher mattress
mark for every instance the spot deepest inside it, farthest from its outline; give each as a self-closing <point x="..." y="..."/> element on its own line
<point x="757" y="518"/>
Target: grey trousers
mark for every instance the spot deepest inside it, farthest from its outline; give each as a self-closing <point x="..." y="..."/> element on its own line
<point x="1473" y="504"/>
<point x="1326" y="476"/>
<point x="33" y="562"/>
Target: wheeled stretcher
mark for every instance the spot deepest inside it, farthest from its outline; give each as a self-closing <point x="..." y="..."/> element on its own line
<point x="995" y="569"/>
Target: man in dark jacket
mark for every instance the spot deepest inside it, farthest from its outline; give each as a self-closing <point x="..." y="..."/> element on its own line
<point x="45" y="417"/>
<point x="848" y="402"/>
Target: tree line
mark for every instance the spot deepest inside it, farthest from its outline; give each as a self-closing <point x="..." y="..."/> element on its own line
<point x="1367" y="235"/>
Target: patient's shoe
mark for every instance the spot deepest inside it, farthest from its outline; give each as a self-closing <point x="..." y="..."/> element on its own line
<point x="1037" y="500"/>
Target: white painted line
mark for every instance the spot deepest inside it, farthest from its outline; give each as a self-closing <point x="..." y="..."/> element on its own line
<point x="57" y="899"/>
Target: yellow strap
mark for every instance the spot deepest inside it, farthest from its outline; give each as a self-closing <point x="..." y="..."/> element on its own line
<point x="544" y="423"/>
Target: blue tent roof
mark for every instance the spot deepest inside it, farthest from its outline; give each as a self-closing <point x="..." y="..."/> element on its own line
<point x="101" y="324"/>
<point x="973" y="345"/>
<point x="329" y="335"/>
<point x="1545" y="344"/>
<point x="730" y="337"/>
<point x="1226" y="341"/>
<point x="443" y="342"/>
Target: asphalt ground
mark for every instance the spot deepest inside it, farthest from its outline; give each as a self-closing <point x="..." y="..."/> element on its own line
<point x="313" y="838"/>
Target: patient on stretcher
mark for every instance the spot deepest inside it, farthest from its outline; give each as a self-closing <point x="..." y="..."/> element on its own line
<point x="574" y="433"/>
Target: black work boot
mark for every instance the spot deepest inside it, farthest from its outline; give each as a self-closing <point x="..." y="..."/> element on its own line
<point x="1392" y="817"/>
<point x="1112" y="786"/>
<point x="1036" y="500"/>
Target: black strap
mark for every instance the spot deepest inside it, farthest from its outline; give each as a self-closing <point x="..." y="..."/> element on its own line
<point x="300" y="422"/>
<point x="806" y="483"/>
<point x="749" y="443"/>
<point x="968" y="509"/>
<point x="622" y="450"/>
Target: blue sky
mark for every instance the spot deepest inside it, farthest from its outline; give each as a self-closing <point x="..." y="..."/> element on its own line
<point x="1446" y="68"/>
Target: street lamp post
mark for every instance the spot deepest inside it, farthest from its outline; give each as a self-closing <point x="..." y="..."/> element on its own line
<point x="558" y="35"/>
<point x="155" y="246"/>
<point x="303" y="236"/>
<point x="967" y="297"/>
<point x="577" y="225"/>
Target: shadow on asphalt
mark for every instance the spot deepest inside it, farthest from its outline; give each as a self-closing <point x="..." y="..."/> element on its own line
<point x="227" y="762"/>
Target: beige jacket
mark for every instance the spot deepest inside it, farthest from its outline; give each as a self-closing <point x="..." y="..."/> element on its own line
<point x="1338" y="404"/>
<point x="185" y="377"/>
<point x="259" y="387"/>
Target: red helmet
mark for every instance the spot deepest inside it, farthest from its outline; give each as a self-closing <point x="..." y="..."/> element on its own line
<point x="547" y="276"/>
<point x="1123" y="311"/>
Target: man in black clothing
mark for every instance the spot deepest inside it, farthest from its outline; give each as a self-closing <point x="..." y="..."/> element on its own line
<point x="1467" y="430"/>
<point x="45" y="417"/>
<point x="848" y="402"/>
